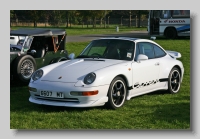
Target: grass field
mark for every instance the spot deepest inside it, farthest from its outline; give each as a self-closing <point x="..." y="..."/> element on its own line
<point x="157" y="110"/>
<point x="85" y="31"/>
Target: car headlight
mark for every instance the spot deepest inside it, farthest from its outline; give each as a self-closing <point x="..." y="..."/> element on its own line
<point x="90" y="78"/>
<point x="37" y="75"/>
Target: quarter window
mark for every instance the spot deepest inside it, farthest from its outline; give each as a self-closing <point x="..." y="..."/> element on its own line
<point x="159" y="52"/>
<point x="146" y="49"/>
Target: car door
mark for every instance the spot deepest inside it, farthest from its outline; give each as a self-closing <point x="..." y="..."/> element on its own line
<point x="145" y="72"/>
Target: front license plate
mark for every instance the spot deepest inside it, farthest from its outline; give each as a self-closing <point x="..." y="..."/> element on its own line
<point x="51" y="94"/>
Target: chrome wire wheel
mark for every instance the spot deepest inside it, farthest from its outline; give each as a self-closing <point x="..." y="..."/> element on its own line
<point x="117" y="93"/>
<point x="175" y="81"/>
<point x="27" y="68"/>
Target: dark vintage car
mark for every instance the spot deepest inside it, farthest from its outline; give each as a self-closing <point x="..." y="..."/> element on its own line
<point x="34" y="49"/>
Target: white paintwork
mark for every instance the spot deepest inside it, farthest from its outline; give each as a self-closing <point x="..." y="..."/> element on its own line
<point x="72" y="73"/>
<point x="71" y="56"/>
<point x="141" y="57"/>
<point x="164" y="23"/>
<point x="174" y="54"/>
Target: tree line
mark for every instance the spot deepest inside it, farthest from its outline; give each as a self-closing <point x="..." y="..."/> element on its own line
<point x="56" y="17"/>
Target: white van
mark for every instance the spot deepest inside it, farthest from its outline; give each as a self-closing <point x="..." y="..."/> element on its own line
<point x="14" y="40"/>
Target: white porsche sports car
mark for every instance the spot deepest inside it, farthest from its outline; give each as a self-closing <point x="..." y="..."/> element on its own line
<point x="108" y="72"/>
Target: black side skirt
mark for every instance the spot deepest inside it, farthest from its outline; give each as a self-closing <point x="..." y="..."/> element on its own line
<point x="163" y="80"/>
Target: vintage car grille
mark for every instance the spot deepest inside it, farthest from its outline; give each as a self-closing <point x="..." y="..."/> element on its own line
<point x="75" y="100"/>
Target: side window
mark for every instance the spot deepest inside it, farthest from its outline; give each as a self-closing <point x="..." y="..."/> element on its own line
<point x="158" y="51"/>
<point x="181" y="13"/>
<point x="146" y="49"/>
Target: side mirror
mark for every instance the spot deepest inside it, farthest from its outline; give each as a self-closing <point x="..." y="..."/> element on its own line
<point x="141" y="57"/>
<point x="71" y="56"/>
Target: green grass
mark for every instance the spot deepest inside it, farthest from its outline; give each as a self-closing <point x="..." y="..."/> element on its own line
<point x="85" y="31"/>
<point x="157" y="110"/>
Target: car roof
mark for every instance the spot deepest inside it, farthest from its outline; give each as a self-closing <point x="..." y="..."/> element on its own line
<point x="37" y="32"/>
<point x="126" y="38"/>
<point x="118" y="38"/>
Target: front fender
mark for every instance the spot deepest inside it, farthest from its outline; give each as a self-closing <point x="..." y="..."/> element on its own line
<point x="106" y="75"/>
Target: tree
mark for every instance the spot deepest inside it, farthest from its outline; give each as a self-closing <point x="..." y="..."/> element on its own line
<point x="85" y="15"/>
<point x="34" y="15"/>
<point x="45" y="15"/>
<point x="139" y="14"/>
<point x="98" y="14"/>
<point x="56" y="17"/>
<point x="11" y="13"/>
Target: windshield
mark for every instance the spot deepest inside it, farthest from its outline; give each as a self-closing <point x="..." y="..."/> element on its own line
<point x="109" y="49"/>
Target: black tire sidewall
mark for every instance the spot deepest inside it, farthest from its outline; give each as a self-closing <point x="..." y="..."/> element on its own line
<point x="171" y="33"/>
<point x="169" y="81"/>
<point x="17" y="67"/>
<point x="110" y="104"/>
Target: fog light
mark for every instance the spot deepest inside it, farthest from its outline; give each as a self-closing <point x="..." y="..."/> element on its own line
<point x="32" y="89"/>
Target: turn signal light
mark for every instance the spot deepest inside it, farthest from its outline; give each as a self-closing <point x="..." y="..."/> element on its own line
<point x="87" y="93"/>
<point x="90" y="93"/>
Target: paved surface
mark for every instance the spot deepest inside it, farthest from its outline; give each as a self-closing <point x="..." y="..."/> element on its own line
<point x="82" y="38"/>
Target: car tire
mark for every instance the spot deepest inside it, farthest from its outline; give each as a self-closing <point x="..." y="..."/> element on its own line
<point x="116" y="93"/>
<point x="170" y="33"/>
<point x="24" y="67"/>
<point x="174" y="81"/>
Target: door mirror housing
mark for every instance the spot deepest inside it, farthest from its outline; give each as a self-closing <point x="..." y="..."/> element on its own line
<point x="71" y="56"/>
<point x="142" y="57"/>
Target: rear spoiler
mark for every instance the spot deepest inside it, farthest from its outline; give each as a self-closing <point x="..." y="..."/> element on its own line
<point x="174" y="54"/>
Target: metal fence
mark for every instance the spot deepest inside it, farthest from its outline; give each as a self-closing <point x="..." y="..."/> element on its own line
<point x="109" y="22"/>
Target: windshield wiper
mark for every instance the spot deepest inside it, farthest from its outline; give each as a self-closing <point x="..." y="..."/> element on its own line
<point x="83" y="56"/>
<point x="86" y="56"/>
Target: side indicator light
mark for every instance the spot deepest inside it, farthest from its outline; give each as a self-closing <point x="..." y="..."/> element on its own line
<point x="90" y="93"/>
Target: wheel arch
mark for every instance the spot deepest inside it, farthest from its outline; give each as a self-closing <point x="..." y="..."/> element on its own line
<point x="125" y="79"/>
<point x="178" y="67"/>
<point x="118" y="93"/>
<point x="58" y="59"/>
<point x="62" y="59"/>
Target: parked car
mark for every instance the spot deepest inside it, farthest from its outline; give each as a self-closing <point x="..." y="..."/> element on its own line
<point x="108" y="72"/>
<point x="31" y="49"/>
<point x="14" y="40"/>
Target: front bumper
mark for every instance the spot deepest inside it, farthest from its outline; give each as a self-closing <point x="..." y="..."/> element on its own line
<point x="69" y="100"/>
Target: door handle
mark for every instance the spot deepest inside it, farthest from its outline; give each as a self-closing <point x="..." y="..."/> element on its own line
<point x="157" y="64"/>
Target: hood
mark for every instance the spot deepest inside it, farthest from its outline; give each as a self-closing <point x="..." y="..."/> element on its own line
<point x="76" y="69"/>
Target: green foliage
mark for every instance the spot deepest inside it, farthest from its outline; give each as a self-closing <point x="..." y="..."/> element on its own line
<point x="11" y="14"/>
<point x="56" y="17"/>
